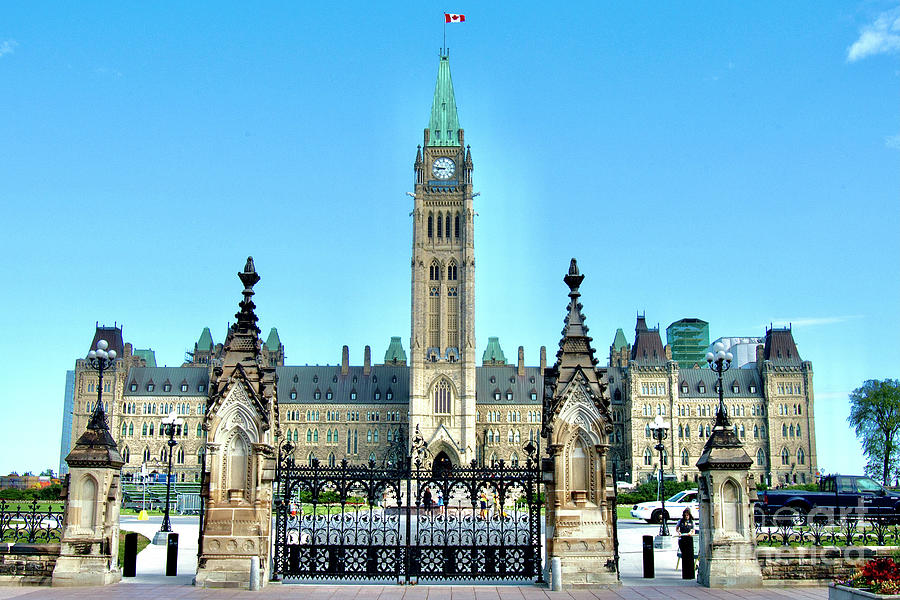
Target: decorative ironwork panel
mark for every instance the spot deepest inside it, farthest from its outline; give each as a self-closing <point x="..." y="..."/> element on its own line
<point x="407" y="522"/>
<point x="29" y="523"/>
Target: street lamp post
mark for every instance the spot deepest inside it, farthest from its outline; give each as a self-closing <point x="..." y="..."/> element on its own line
<point x="100" y="360"/>
<point x="660" y="431"/>
<point x="720" y="361"/>
<point x="169" y="424"/>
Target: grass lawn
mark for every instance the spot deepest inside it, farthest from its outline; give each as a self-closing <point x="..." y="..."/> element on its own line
<point x="142" y="543"/>
<point x="42" y="505"/>
<point x="623" y="512"/>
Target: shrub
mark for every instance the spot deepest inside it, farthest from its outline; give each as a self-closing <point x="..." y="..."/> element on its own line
<point x="646" y="492"/>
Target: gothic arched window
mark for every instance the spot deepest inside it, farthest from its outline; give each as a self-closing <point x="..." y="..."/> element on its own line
<point x="801" y="456"/>
<point x="440" y="225"/>
<point x="434" y="271"/>
<point x="785" y="456"/>
<point x="430" y="225"/>
<point x="685" y="457"/>
<point x="760" y="458"/>
<point x="456" y="232"/>
<point x="648" y="457"/>
<point x="442" y="397"/>
<point x="146" y="454"/>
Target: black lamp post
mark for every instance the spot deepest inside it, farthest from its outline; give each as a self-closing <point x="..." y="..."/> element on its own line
<point x="169" y="424"/>
<point x="720" y="361"/>
<point x="101" y="360"/>
<point x="660" y="431"/>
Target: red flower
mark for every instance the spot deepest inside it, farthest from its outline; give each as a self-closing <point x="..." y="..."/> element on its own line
<point x="881" y="569"/>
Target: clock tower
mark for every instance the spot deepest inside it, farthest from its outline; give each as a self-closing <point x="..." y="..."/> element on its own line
<point x="442" y="373"/>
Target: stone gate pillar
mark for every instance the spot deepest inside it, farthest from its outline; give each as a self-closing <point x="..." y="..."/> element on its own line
<point x="576" y="425"/>
<point x="240" y="460"/>
<point x="89" y="545"/>
<point x="727" y="532"/>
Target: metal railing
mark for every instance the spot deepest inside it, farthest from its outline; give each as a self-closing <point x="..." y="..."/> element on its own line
<point x="818" y="528"/>
<point x="32" y="523"/>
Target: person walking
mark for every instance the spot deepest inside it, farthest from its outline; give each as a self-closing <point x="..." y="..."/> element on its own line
<point x="482" y="502"/>
<point x="426" y="499"/>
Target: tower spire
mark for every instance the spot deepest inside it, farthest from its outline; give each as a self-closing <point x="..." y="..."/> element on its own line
<point x="444" y="123"/>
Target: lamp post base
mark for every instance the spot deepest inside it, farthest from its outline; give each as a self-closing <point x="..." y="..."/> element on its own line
<point x="160" y="538"/>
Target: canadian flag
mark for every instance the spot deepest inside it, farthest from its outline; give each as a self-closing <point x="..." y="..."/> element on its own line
<point x="448" y="18"/>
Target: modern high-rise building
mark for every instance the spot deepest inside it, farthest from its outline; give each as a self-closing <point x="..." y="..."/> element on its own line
<point x="65" y="440"/>
<point x="688" y="338"/>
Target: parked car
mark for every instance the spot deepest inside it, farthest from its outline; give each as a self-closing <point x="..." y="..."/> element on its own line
<point x="652" y="512"/>
<point x="838" y="495"/>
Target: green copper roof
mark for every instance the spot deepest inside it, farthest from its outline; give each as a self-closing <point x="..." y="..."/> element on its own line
<point x="619" y="342"/>
<point x="205" y="342"/>
<point x="444" y="123"/>
<point x="493" y="354"/>
<point x="395" y="352"/>
<point x="148" y="355"/>
<point x="273" y="342"/>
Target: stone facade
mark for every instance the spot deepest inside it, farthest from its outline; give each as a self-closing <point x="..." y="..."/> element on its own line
<point x="27" y="564"/>
<point x="815" y="565"/>
<point x="771" y="406"/>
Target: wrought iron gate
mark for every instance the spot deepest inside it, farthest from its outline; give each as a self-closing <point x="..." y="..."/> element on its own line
<point x="408" y="522"/>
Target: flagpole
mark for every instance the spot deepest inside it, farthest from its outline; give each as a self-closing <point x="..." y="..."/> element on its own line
<point x="444" y="48"/>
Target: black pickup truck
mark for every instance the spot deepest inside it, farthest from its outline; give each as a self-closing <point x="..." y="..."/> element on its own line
<point x="838" y="495"/>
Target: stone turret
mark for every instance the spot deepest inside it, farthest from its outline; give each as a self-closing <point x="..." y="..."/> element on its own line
<point x="577" y="424"/>
<point x="240" y="465"/>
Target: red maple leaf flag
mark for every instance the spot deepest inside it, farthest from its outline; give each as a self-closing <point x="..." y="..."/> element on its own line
<point x="448" y="18"/>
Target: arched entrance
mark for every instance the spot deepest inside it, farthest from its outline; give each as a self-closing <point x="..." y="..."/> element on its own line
<point x="442" y="463"/>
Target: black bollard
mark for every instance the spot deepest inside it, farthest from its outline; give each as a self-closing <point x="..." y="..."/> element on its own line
<point x="172" y="555"/>
<point x="129" y="563"/>
<point x="686" y="545"/>
<point x="648" y="557"/>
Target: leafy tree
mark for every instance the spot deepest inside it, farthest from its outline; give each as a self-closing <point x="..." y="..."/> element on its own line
<point x="875" y="416"/>
<point x="48" y="473"/>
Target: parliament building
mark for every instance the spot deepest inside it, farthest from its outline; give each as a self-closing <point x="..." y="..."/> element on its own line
<point x="466" y="411"/>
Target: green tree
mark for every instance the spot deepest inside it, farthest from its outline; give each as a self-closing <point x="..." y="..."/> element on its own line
<point x="875" y="416"/>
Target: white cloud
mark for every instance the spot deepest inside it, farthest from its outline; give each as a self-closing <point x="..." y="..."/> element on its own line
<point x="892" y="141"/>
<point x="813" y="321"/>
<point x="880" y="37"/>
<point x="7" y="47"/>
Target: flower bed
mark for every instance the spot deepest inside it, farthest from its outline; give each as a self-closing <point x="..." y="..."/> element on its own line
<point x="879" y="576"/>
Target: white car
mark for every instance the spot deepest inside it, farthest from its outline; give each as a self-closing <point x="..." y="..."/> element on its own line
<point x="652" y="511"/>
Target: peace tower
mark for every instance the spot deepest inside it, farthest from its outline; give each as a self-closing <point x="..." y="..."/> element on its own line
<point x="442" y="342"/>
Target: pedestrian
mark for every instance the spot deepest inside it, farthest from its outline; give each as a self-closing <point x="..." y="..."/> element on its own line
<point x="685" y="528"/>
<point x="426" y="499"/>
<point x="440" y="502"/>
<point x="482" y="501"/>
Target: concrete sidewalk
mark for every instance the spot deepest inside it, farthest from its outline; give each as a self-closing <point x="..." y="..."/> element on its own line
<point x="140" y="591"/>
<point x="151" y="561"/>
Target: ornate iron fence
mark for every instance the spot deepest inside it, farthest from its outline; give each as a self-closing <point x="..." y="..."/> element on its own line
<point x="30" y="523"/>
<point x="408" y="522"/>
<point x="855" y="529"/>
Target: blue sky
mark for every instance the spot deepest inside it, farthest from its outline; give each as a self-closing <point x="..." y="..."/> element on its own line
<point x="737" y="163"/>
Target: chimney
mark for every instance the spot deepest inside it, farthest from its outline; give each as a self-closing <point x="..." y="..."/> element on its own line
<point x="129" y="350"/>
<point x="345" y="360"/>
<point x="760" y="357"/>
<point x="521" y="367"/>
<point x="367" y="361"/>
<point x="543" y="359"/>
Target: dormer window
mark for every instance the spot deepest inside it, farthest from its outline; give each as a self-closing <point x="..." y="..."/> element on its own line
<point x="328" y="395"/>
<point x="509" y="396"/>
<point x="133" y="387"/>
<point x="315" y="378"/>
<point x="293" y="394"/>
<point x="752" y="389"/>
<point x="684" y="387"/>
<point x="353" y="395"/>
<point x="317" y="395"/>
<point x="167" y="387"/>
<point x="184" y="387"/>
<point x="493" y="379"/>
<point x="201" y="388"/>
<point x="377" y="395"/>
<point x="354" y="379"/>
<point x="702" y="389"/>
<point x="389" y="395"/>
<point x="735" y="389"/>
<point x="150" y="387"/>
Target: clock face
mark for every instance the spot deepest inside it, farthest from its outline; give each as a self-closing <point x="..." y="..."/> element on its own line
<point x="443" y="168"/>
